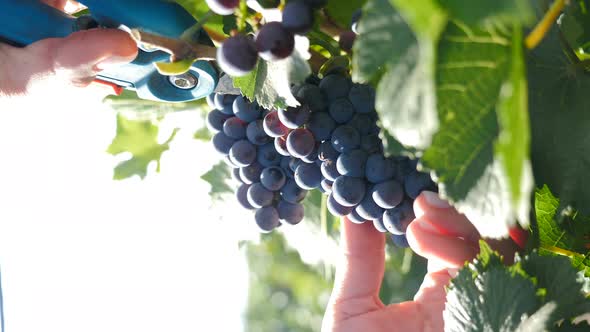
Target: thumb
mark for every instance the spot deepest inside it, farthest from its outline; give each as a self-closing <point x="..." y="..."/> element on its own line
<point x="76" y="59"/>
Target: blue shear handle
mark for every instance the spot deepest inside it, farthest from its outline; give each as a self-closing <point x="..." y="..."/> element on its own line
<point x="26" y="21"/>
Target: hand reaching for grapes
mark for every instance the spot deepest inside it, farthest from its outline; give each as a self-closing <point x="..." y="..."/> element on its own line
<point x="439" y="233"/>
<point x="62" y="62"/>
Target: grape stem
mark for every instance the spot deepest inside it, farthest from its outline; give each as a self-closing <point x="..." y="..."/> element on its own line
<point x="558" y="251"/>
<point x="539" y="32"/>
<point x="325" y="41"/>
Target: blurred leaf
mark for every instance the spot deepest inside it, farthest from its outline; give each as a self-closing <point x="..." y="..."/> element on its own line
<point x="217" y="177"/>
<point x="199" y="8"/>
<point x="129" y="105"/>
<point x="140" y="138"/>
<point x="570" y="327"/>
<point x="575" y="25"/>
<point x="490" y="11"/>
<point x="341" y="11"/>
<point x="203" y="134"/>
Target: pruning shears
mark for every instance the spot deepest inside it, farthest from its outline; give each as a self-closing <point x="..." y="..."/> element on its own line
<point x="155" y="24"/>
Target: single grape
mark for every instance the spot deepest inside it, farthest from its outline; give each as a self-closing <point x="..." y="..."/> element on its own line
<point x="273" y="178"/>
<point x="211" y="101"/>
<point x="371" y="144"/>
<point x="273" y="125"/>
<point x="256" y="134"/>
<point x="294" y="117"/>
<point x="352" y="163"/>
<point x="274" y="42"/>
<point x="341" y="110"/>
<point x="355" y="218"/>
<point x="312" y="96"/>
<point x="298" y="17"/>
<point x="345" y="138"/>
<point x="327" y="152"/>
<point x="400" y="241"/>
<point x="378" y="224"/>
<point x="291" y="213"/>
<point x="292" y="193"/>
<point x="237" y="56"/>
<point x="294" y="163"/>
<point x="222" y="143"/>
<point x="235" y="128"/>
<point x="346" y="40"/>
<point x="215" y="120"/>
<point x="349" y="191"/>
<point x="398" y="219"/>
<point x="362" y="123"/>
<point x="321" y="126"/>
<point x="224" y="103"/>
<point x="336" y="208"/>
<point x="368" y="209"/>
<point x="267" y="219"/>
<point x="258" y="196"/>
<point x="246" y="110"/>
<point x="235" y="175"/>
<point x="335" y="86"/>
<point x="300" y="142"/>
<point x="326" y="185"/>
<point x="242" y="197"/>
<point x="379" y="168"/>
<point x="268" y="156"/>
<point x="362" y="96"/>
<point x="308" y="176"/>
<point x="251" y="173"/>
<point x="417" y="182"/>
<point x="242" y="153"/>
<point x="388" y="194"/>
<point x="356" y="17"/>
<point x="330" y="170"/>
<point x="223" y="7"/>
<point x="281" y="146"/>
<point x="406" y="166"/>
<point x="229" y="163"/>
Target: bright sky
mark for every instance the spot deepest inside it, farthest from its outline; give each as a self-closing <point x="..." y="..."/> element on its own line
<point x="80" y="252"/>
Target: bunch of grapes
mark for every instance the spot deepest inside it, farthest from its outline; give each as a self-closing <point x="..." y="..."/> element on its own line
<point x="331" y="143"/>
<point x="239" y="54"/>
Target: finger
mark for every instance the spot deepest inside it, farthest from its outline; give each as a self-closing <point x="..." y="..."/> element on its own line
<point x="428" y="242"/>
<point x="76" y="59"/>
<point x="444" y="218"/>
<point x="361" y="266"/>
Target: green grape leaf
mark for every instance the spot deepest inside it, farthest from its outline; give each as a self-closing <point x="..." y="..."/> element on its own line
<point x="218" y="178"/>
<point x="199" y="8"/>
<point x="560" y="121"/>
<point x="387" y="48"/>
<point x="575" y="26"/>
<point x="174" y="68"/>
<point x="559" y="280"/>
<point x="490" y="11"/>
<point x="570" y="327"/>
<point x="203" y="134"/>
<point x="493" y="300"/>
<point x="558" y="238"/>
<point x="539" y="321"/>
<point x="140" y="139"/>
<point x="341" y="12"/>
<point x="132" y="107"/>
<point x="270" y="82"/>
<point x="488" y="188"/>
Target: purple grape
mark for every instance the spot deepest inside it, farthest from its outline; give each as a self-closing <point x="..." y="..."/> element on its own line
<point x="312" y="96"/>
<point x="273" y="178"/>
<point x="224" y="103"/>
<point x="300" y="142"/>
<point x="291" y="213"/>
<point x="292" y="193"/>
<point x="341" y="110"/>
<point x="258" y="196"/>
<point x="223" y="7"/>
<point x="268" y="156"/>
<point x="222" y="143"/>
<point x="246" y="110"/>
<point x="368" y="209"/>
<point x="326" y="186"/>
<point x="362" y="96"/>
<point x="336" y="208"/>
<point x="379" y="168"/>
<point x="281" y="146"/>
<point x="330" y="170"/>
<point x="215" y="120"/>
<point x="294" y="117"/>
<point x="327" y="152"/>
<point x="417" y="182"/>
<point x="298" y="17"/>
<point x="398" y="219"/>
<point x="273" y="125"/>
<point x="256" y="134"/>
<point x="400" y="241"/>
<point x="235" y="174"/>
<point x="285" y="161"/>
<point x="242" y="153"/>
<point x="267" y="219"/>
<point x="321" y="126"/>
<point x="378" y="224"/>
<point x="237" y="56"/>
<point x="235" y="128"/>
<point x="335" y="86"/>
<point x="371" y="144"/>
<point x="355" y="218"/>
<point x="352" y="163"/>
<point x="345" y="138"/>
<point x="388" y="194"/>
<point x="362" y="123"/>
<point x="242" y="197"/>
<point x="308" y="176"/>
<point x="211" y="101"/>
<point x="348" y="191"/>
<point x="346" y="40"/>
<point x="251" y="173"/>
<point x="312" y="157"/>
<point x="274" y="42"/>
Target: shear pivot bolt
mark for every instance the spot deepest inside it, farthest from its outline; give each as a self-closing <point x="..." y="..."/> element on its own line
<point x="185" y="81"/>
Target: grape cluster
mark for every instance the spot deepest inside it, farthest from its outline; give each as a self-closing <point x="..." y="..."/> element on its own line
<point x="331" y="143"/>
<point x="239" y="54"/>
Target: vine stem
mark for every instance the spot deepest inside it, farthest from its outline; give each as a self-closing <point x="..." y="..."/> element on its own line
<point x="559" y="251"/>
<point x="539" y="32"/>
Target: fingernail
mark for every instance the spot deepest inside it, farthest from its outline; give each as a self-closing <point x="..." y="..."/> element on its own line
<point x="426" y="226"/>
<point x="112" y="62"/>
<point x="434" y="200"/>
